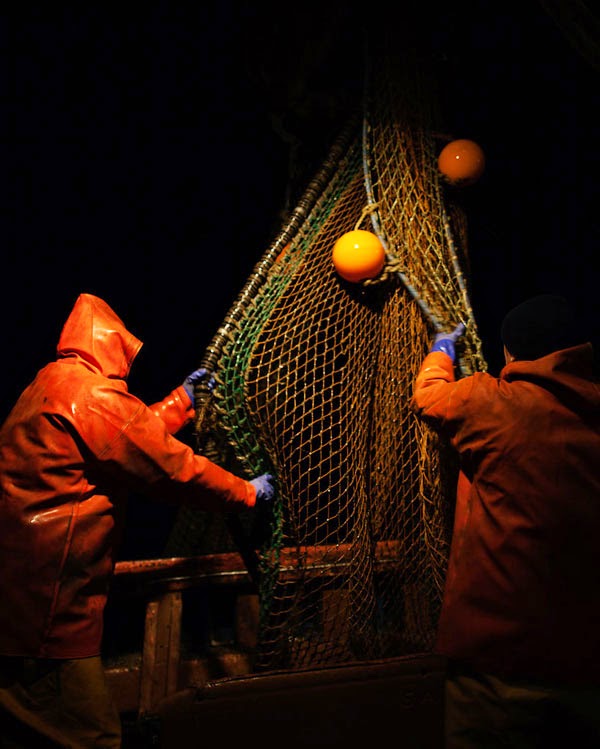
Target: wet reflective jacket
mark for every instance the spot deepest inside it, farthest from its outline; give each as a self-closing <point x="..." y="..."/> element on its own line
<point x="75" y="443"/>
<point x="522" y="593"/>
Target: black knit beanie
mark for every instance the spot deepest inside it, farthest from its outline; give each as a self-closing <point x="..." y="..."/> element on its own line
<point x="539" y="326"/>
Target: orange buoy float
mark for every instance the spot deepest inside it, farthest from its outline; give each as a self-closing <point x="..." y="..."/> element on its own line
<point x="461" y="162"/>
<point x="358" y="255"/>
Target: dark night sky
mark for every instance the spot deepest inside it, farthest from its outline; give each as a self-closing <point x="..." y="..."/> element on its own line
<point x="141" y="162"/>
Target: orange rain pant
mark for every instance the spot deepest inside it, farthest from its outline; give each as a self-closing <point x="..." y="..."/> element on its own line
<point x="46" y="703"/>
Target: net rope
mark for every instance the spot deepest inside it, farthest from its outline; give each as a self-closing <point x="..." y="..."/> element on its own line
<point x="314" y="378"/>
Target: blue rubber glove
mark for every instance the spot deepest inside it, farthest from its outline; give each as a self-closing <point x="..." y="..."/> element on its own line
<point x="196" y="376"/>
<point x="265" y="489"/>
<point x="445" y="341"/>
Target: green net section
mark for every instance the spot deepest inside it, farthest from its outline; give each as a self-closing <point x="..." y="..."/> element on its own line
<point x="314" y="379"/>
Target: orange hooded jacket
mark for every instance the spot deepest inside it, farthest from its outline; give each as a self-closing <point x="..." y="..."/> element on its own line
<point x="74" y="444"/>
<point x="522" y="591"/>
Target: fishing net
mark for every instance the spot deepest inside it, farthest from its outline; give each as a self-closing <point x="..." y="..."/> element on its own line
<point x="314" y="378"/>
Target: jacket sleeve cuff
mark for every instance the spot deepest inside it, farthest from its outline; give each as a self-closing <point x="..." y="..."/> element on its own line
<point x="175" y="410"/>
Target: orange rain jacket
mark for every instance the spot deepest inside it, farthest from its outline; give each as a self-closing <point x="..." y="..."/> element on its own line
<point x="522" y="591"/>
<point x="74" y="444"/>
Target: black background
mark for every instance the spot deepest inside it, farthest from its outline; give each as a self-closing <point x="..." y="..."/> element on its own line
<point x="146" y="158"/>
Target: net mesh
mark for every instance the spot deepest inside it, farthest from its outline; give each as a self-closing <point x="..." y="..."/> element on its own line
<point x="314" y="378"/>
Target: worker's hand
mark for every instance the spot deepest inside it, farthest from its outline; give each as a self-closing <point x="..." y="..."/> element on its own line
<point x="265" y="488"/>
<point x="445" y="341"/>
<point x="196" y="376"/>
